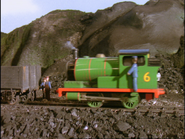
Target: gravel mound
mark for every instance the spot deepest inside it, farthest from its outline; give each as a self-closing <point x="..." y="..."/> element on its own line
<point x="172" y="78"/>
<point x="20" y="121"/>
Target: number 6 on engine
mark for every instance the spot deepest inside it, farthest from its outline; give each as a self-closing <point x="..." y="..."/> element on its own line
<point x="146" y="77"/>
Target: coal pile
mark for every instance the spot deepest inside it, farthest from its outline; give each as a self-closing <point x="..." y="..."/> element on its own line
<point x="20" y="121"/>
<point x="172" y="78"/>
<point x="57" y="82"/>
<point x="175" y="100"/>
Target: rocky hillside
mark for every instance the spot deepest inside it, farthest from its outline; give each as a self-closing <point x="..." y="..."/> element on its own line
<point x="42" y="41"/>
<point x="158" y="25"/>
<point x="3" y="34"/>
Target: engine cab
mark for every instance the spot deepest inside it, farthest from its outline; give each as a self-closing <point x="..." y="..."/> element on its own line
<point x="147" y="71"/>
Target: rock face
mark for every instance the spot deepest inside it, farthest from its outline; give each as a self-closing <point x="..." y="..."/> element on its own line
<point x="42" y="41"/>
<point x="157" y="25"/>
<point x="3" y="34"/>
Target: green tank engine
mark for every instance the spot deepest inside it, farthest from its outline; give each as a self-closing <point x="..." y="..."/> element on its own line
<point x="100" y="79"/>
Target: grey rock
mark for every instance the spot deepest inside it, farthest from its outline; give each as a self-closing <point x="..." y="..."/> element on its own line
<point x="60" y="136"/>
<point x="68" y="116"/>
<point x="143" y="135"/>
<point x="131" y="135"/>
<point x="84" y="136"/>
<point x="74" y="113"/>
<point x="123" y="126"/>
<point x="65" y="129"/>
<point x="71" y="132"/>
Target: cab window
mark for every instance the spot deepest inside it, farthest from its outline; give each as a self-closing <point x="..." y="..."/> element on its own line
<point x="127" y="61"/>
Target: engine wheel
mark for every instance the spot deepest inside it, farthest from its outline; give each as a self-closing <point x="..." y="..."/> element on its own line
<point x="95" y="104"/>
<point x="130" y="100"/>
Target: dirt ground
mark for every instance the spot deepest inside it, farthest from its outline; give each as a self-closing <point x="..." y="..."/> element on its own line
<point x="27" y="121"/>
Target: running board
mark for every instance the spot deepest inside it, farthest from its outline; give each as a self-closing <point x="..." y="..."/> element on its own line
<point x="156" y="92"/>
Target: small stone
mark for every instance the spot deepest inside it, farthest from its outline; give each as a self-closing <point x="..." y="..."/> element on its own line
<point x="86" y="127"/>
<point x="65" y="130"/>
<point x="60" y="136"/>
<point x="131" y="135"/>
<point x="85" y="136"/>
<point x="96" y="125"/>
<point x="71" y="132"/>
<point x="68" y="116"/>
<point x="154" y="136"/>
<point x="123" y="126"/>
<point x="74" y="113"/>
<point x="100" y="135"/>
<point x="143" y="135"/>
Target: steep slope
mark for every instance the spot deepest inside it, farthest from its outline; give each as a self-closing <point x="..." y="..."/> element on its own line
<point x="157" y="25"/>
<point x="3" y="34"/>
<point x="42" y="41"/>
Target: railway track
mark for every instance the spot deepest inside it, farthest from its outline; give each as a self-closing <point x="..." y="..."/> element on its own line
<point x="115" y="107"/>
<point x="140" y="109"/>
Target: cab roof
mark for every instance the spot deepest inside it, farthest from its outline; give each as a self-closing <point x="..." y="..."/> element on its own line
<point x="133" y="51"/>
